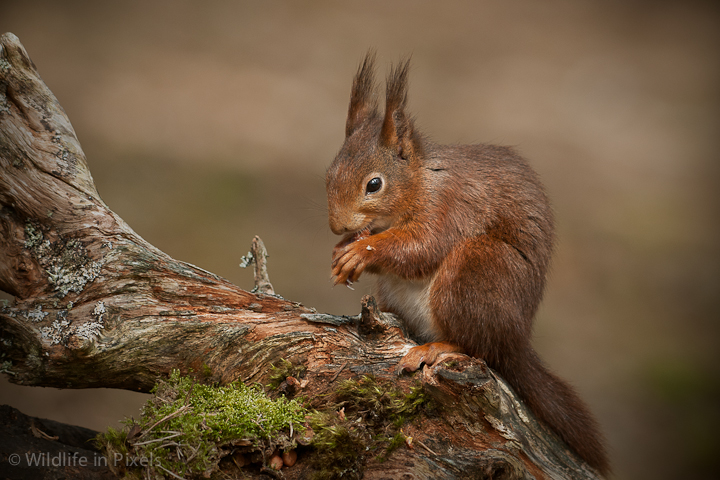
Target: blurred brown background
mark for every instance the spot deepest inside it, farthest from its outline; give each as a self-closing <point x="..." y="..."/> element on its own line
<point x="205" y="123"/>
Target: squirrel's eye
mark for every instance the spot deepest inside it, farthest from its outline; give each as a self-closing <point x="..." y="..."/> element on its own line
<point x="373" y="185"/>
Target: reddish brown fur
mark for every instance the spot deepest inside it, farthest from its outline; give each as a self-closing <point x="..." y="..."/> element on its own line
<point x="460" y="238"/>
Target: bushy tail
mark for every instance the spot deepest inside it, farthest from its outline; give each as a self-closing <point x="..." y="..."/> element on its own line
<point x="556" y="404"/>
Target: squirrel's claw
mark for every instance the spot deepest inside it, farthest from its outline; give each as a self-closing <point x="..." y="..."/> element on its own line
<point x="348" y="263"/>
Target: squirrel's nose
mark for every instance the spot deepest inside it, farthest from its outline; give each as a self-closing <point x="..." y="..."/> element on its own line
<point x="341" y="224"/>
<point x="337" y="228"/>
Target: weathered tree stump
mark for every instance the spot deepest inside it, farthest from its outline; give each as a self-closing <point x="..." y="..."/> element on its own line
<point x="98" y="306"/>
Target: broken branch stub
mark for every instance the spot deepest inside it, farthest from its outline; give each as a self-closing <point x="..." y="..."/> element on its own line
<point x="257" y="256"/>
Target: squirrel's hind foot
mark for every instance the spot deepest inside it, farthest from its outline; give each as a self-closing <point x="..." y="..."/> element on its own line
<point x="427" y="354"/>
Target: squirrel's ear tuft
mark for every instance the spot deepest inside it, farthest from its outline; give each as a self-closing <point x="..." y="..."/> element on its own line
<point x="363" y="104"/>
<point x="397" y="128"/>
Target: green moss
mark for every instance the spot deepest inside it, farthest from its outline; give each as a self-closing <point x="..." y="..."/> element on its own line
<point x="339" y="446"/>
<point x="187" y="428"/>
<point x="369" y="427"/>
<point x="283" y="369"/>
<point x="384" y="401"/>
<point x="393" y="444"/>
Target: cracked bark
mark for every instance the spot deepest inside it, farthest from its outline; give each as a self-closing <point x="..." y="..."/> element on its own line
<point x="98" y="306"/>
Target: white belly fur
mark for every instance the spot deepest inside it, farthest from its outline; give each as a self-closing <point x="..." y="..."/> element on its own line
<point x="410" y="299"/>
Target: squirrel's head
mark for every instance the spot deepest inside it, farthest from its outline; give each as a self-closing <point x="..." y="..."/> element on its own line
<point x="371" y="181"/>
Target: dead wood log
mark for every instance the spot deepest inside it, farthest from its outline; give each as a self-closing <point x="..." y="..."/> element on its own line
<point x="40" y="448"/>
<point x="97" y="306"/>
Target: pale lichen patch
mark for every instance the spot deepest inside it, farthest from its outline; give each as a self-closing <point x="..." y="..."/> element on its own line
<point x="4" y="65"/>
<point x="5" y="364"/>
<point x="36" y="314"/>
<point x="58" y="331"/>
<point x="33" y="237"/>
<point x="5" y="367"/>
<point x="91" y="330"/>
<point x="10" y="312"/>
<point x="63" y="331"/>
<point x="99" y="311"/>
<point x="4" y="103"/>
<point x="66" y="263"/>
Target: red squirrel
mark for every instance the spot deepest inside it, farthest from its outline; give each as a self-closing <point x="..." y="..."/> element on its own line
<point x="460" y="238"/>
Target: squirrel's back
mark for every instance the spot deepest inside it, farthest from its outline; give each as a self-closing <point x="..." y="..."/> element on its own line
<point x="491" y="190"/>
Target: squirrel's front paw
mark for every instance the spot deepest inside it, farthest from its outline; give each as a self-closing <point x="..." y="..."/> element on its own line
<point x="350" y="261"/>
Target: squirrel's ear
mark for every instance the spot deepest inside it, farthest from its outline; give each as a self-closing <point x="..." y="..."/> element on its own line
<point x="397" y="128"/>
<point x="362" y="98"/>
